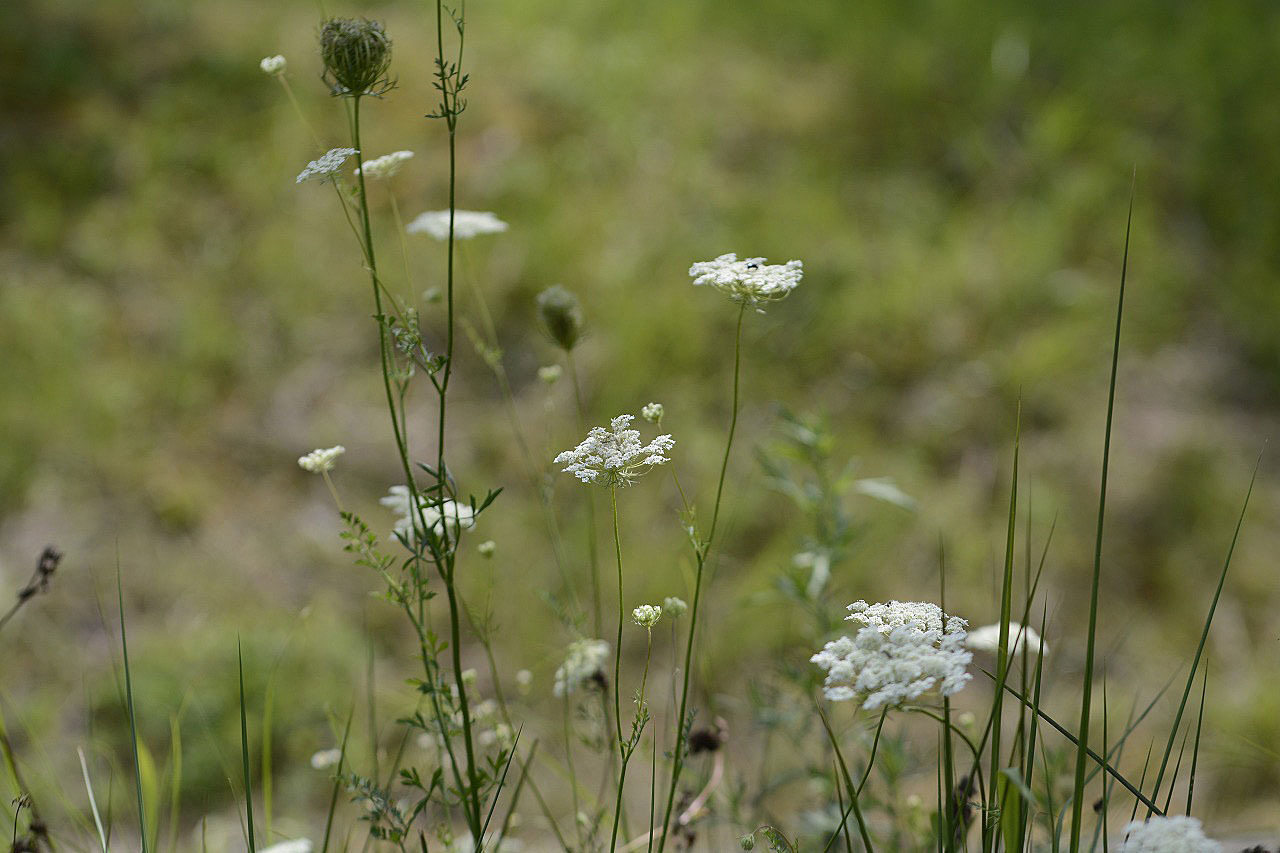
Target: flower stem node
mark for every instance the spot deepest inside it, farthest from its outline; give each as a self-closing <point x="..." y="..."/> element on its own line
<point x="356" y="54"/>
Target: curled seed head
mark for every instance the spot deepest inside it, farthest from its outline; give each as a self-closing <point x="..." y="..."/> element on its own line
<point x="356" y="54"/>
<point x="561" y="316"/>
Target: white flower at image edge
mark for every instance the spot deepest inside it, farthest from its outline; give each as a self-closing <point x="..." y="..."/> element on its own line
<point x="450" y="514"/>
<point x="300" y="845"/>
<point x="904" y="651"/>
<point x="466" y="224"/>
<point x="615" y="456"/>
<point x="1168" y="835"/>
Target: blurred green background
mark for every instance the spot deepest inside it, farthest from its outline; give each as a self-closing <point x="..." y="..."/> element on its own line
<point x="179" y="321"/>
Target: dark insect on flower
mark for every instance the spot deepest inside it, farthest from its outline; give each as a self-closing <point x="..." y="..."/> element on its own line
<point x="753" y="266"/>
<point x="356" y="54"/>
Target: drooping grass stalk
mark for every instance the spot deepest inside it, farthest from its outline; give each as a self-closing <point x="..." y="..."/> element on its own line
<point x="1204" y="636"/>
<point x="701" y="554"/>
<point x="133" y="719"/>
<point x="93" y="803"/>
<point x="244" y="753"/>
<point x="1082" y="744"/>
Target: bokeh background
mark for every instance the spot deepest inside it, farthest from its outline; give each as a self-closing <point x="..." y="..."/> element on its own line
<point x="179" y="321"/>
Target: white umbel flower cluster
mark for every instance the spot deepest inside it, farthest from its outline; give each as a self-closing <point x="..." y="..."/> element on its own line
<point x="653" y="412"/>
<point x="904" y="650"/>
<point x="987" y="639"/>
<point x="615" y="456"/>
<point x="750" y="281"/>
<point x="466" y="224"/>
<point x="646" y="615"/>
<point x="1168" y="835"/>
<point x="327" y="167"/>
<point x="321" y="459"/>
<point x="274" y="65"/>
<point x="385" y="166"/>
<point x="450" y="514"/>
<point x="674" y="607"/>
<point x="583" y="660"/>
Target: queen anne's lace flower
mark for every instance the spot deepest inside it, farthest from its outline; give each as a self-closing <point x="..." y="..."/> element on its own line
<point x="674" y="607"/>
<point x="615" y="456"/>
<point x="583" y="660"/>
<point x="327" y="167"/>
<point x="1168" y="835"/>
<point x="326" y="758"/>
<point x="449" y="514"/>
<point x="273" y="65"/>
<point x="385" y="166"/>
<point x="321" y="460"/>
<point x="646" y="615"/>
<point x="653" y="413"/>
<point x="750" y="281"/>
<point x="987" y="639"/>
<point x="466" y="224"/>
<point x="903" y="651"/>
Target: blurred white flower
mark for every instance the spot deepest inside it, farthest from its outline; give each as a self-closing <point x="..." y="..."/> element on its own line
<point x="646" y="615"/>
<point x="987" y="639"/>
<point x="615" y="456"/>
<point x="583" y="660"/>
<point x="523" y="679"/>
<point x="300" y="845"/>
<point x="466" y="224"/>
<point x="326" y="758"/>
<point x="1168" y="835"/>
<point x="903" y="651"/>
<point x="385" y="166"/>
<point x="750" y="281"/>
<point x="653" y="413"/>
<point x="674" y="607"/>
<point x="550" y="373"/>
<point x="321" y="459"/>
<point x="327" y="167"/>
<point x="449" y="514"/>
<point x="273" y="65"/>
<point x="487" y="548"/>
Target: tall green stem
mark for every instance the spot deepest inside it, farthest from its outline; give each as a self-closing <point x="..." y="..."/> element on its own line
<point x="677" y="764"/>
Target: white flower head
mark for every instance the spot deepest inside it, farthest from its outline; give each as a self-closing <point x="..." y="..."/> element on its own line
<point x="653" y="413"/>
<point x="274" y="65"/>
<point x="583" y="661"/>
<point x="750" y="281"/>
<point x="466" y="224"/>
<point x="299" y="845"/>
<point x="327" y="167"/>
<point x="903" y="651"/>
<point x="550" y="373"/>
<point x="385" y="166"/>
<point x="487" y="548"/>
<point x="646" y="615"/>
<point x="1180" y="834"/>
<point x="321" y="459"/>
<point x="674" y="607"/>
<point x="438" y="516"/>
<point x="524" y="678"/>
<point x="326" y="758"/>
<point x="615" y="456"/>
<point x="987" y="639"/>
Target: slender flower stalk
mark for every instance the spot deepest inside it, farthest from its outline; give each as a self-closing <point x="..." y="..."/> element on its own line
<point x="703" y="549"/>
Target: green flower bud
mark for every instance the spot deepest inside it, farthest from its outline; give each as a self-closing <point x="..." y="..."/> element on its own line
<point x="748" y="842"/>
<point x="561" y="316"/>
<point x="356" y="54"/>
